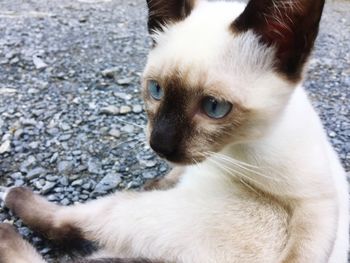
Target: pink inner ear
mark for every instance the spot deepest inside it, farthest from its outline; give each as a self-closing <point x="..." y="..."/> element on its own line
<point x="278" y="33"/>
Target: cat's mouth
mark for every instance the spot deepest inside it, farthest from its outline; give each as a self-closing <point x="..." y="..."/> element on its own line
<point x="177" y="156"/>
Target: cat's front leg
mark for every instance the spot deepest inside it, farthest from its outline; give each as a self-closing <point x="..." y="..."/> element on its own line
<point x="153" y="225"/>
<point x="14" y="249"/>
<point x="312" y="227"/>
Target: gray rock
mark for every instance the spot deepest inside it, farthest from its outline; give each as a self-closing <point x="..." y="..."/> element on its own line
<point x="65" y="202"/>
<point x="5" y="147"/>
<point x="94" y="166"/>
<point x="39" y="63"/>
<point x="137" y="108"/>
<point x="65" y="137"/>
<point x="35" y="173"/>
<point x="114" y="133"/>
<point x="64" y="181"/>
<point x="109" y="182"/>
<point x="65" y="167"/>
<point x="149" y="174"/>
<point x="78" y="182"/>
<point x="124" y="81"/>
<point x="128" y="128"/>
<point x="29" y="162"/>
<point x="110" y="72"/>
<point x="111" y="110"/>
<point x="48" y="187"/>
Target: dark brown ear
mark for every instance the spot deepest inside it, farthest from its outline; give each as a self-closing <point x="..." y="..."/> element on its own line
<point x="164" y="11"/>
<point x="289" y="25"/>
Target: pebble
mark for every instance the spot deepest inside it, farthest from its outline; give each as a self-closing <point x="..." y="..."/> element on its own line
<point x="94" y="166"/>
<point x="5" y="147"/>
<point x="128" y="128"/>
<point x="124" y="81"/>
<point x="65" y="167"/>
<point x="7" y="91"/>
<point x="125" y="109"/>
<point x="110" y="72"/>
<point x="114" y="133"/>
<point x="39" y="63"/>
<point x="109" y="182"/>
<point x="48" y="187"/>
<point x="111" y="110"/>
<point x="35" y="173"/>
<point x="137" y="108"/>
<point x="65" y="202"/>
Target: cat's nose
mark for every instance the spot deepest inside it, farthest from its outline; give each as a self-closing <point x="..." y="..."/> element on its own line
<point x="164" y="141"/>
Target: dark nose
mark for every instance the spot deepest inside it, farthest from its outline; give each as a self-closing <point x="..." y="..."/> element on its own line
<point x="164" y="139"/>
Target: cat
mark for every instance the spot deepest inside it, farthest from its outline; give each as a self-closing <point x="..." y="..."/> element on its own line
<point x="258" y="180"/>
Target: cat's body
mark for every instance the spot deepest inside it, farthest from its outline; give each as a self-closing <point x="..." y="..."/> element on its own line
<point x="262" y="183"/>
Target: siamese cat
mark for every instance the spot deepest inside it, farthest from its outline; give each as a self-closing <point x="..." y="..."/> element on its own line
<point x="259" y="181"/>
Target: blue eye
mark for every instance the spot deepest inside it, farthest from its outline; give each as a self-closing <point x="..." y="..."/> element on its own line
<point x="155" y="90"/>
<point x="216" y="109"/>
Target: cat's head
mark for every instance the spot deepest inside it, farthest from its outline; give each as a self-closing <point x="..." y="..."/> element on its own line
<point x="220" y="73"/>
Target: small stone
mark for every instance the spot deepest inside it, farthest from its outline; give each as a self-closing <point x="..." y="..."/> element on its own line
<point x="39" y="63"/>
<point x="38" y="185"/>
<point x="87" y="186"/>
<point x="149" y="174"/>
<point x="7" y="91"/>
<point x="48" y="187"/>
<point x="34" y="145"/>
<point x="114" y="133"/>
<point x="128" y="128"/>
<point x="123" y="96"/>
<point x="110" y="72"/>
<point x="124" y="81"/>
<point x="64" y="181"/>
<point x="16" y="176"/>
<point x="109" y="182"/>
<point x="137" y="108"/>
<point x="332" y="134"/>
<point x="110" y="110"/>
<point x="65" y="167"/>
<point x="35" y="173"/>
<point x="125" y="109"/>
<point x="83" y="19"/>
<point x="54" y="158"/>
<point x="78" y="182"/>
<point x="76" y="152"/>
<point x="65" y="137"/>
<point x="30" y="161"/>
<point x="5" y="147"/>
<point x="94" y="166"/>
<point x="150" y="164"/>
<point x="51" y="178"/>
<point x="65" y="202"/>
<point x="19" y="183"/>
<point x="29" y="122"/>
<point x="65" y="127"/>
<point x="52" y="198"/>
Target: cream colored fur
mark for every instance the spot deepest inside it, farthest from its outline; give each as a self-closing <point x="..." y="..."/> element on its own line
<point x="285" y="201"/>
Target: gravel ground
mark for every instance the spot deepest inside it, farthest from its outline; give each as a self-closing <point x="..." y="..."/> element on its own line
<point x="71" y="111"/>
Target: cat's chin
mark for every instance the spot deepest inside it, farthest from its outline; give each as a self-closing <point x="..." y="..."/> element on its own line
<point x="183" y="161"/>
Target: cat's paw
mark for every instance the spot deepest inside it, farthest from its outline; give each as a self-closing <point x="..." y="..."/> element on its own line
<point x="16" y="198"/>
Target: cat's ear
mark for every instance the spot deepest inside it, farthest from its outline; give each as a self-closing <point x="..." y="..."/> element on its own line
<point x="289" y="25"/>
<point x="161" y="12"/>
